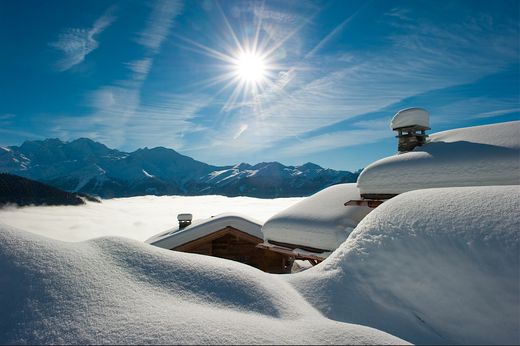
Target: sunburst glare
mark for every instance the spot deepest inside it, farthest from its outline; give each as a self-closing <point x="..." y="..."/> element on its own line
<point x="251" y="67"/>
<point x="250" y="63"/>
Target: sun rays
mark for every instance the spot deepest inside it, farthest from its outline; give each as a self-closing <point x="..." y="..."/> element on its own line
<point x="247" y="63"/>
<point x="250" y="67"/>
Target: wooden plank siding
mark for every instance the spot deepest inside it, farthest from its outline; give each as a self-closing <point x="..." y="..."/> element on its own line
<point x="233" y="244"/>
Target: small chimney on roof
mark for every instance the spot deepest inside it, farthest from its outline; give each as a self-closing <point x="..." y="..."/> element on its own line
<point x="184" y="220"/>
<point x="411" y="125"/>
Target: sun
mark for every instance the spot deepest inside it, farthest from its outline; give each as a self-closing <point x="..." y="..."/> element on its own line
<point x="250" y="67"/>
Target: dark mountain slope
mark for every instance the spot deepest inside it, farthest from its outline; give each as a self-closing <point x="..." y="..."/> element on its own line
<point x="23" y="191"/>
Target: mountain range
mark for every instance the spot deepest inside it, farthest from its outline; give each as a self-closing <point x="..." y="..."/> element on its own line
<point x="86" y="166"/>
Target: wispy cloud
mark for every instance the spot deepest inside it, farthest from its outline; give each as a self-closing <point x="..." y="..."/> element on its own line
<point x="477" y="107"/>
<point x="6" y="119"/>
<point x="361" y="132"/>
<point x="119" y="115"/>
<point x="334" y="140"/>
<point x="159" y="24"/>
<point x="499" y="112"/>
<point x="121" y="118"/>
<point x="19" y="133"/>
<point x="140" y="68"/>
<point x="241" y="130"/>
<point x="427" y="57"/>
<point x="77" y="43"/>
<point x="400" y="13"/>
<point x="7" y="116"/>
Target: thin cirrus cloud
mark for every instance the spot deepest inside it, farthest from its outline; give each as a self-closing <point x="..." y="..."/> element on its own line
<point x="76" y="43"/>
<point x="118" y="116"/>
<point x="158" y="26"/>
<point x="334" y="140"/>
<point x="478" y="107"/>
<point x="140" y="68"/>
<point x="121" y="117"/>
<point x="499" y="112"/>
<point x="428" y="57"/>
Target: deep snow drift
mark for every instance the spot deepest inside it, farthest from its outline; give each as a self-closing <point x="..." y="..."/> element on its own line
<point x="119" y="291"/>
<point x="430" y="266"/>
<point x="473" y="156"/>
<point x="320" y="221"/>
<point x="136" y="217"/>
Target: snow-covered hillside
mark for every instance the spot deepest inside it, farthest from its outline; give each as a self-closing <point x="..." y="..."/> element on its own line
<point x="117" y="291"/>
<point x="434" y="266"/>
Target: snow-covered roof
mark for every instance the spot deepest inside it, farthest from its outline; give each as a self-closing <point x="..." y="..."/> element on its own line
<point x="320" y="221"/>
<point x="200" y="228"/>
<point x="410" y="117"/>
<point x="473" y="156"/>
<point x="436" y="266"/>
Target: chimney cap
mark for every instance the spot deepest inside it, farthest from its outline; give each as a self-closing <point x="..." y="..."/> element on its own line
<point x="411" y="117"/>
<point x="184" y="217"/>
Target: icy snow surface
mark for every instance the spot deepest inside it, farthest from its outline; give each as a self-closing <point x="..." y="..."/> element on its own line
<point x="120" y="291"/>
<point x="430" y="266"/>
<point x="199" y="228"/>
<point x="410" y="117"/>
<point x="137" y="217"/>
<point x="321" y="221"/>
<point x="474" y="156"/>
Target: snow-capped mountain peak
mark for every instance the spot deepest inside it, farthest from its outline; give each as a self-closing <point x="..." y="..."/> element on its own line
<point x="87" y="166"/>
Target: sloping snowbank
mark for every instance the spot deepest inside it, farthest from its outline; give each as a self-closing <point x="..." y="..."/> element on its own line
<point x="474" y="156"/>
<point x="320" y="221"/>
<point x="119" y="291"/>
<point x="430" y="266"/>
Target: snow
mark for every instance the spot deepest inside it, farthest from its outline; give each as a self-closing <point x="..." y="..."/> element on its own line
<point x="474" y="156"/>
<point x="201" y="228"/>
<point x="435" y="266"/>
<point x="321" y="221"/>
<point x="148" y="174"/>
<point x="120" y="291"/>
<point x="137" y="218"/>
<point x="5" y="149"/>
<point x="239" y="170"/>
<point x="410" y="117"/>
<point x="431" y="265"/>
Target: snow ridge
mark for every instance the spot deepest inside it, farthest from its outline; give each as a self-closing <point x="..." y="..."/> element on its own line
<point x="433" y="266"/>
<point x="117" y="291"/>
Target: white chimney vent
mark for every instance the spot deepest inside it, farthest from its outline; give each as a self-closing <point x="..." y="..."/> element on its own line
<point x="411" y="125"/>
<point x="416" y="117"/>
<point x="184" y="220"/>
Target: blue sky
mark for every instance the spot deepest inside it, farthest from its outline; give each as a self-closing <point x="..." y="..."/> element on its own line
<point x="132" y="74"/>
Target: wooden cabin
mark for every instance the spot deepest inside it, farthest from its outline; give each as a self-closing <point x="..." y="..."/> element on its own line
<point x="229" y="236"/>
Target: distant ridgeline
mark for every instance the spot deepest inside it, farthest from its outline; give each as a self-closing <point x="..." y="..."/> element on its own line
<point x="90" y="167"/>
<point x="22" y="191"/>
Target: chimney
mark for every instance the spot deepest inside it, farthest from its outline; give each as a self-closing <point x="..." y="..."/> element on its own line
<point x="184" y="220"/>
<point x="411" y="125"/>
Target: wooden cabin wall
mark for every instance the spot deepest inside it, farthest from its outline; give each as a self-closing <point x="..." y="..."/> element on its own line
<point x="232" y="244"/>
